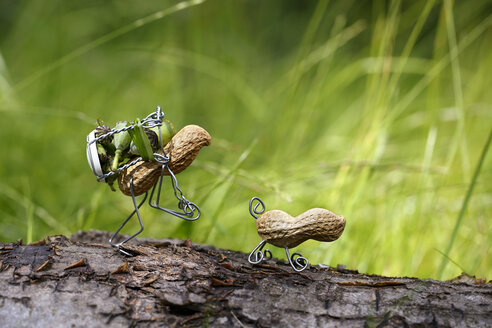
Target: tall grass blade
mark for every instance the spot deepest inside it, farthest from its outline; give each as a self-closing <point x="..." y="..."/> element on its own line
<point x="461" y="215"/>
<point x="460" y="135"/>
<point x="104" y="39"/>
<point x="406" y="100"/>
<point x="41" y="212"/>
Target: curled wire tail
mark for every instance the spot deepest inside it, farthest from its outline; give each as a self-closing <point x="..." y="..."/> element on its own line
<point x="254" y="210"/>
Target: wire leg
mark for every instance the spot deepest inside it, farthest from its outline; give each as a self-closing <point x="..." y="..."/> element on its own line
<point x="259" y="254"/>
<point x="298" y="264"/>
<point x="188" y="208"/>
<point x="136" y="210"/>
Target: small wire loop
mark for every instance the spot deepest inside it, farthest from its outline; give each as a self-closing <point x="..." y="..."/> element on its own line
<point x="254" y="210"/>
<point x="259" y="254"/>
<point x="298" y="264"/>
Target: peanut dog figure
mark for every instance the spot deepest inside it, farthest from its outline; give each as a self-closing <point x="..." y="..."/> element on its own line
<point x="283" y="230"/>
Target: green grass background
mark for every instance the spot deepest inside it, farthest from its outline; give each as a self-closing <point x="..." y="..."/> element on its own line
<point x="379" y="111"/>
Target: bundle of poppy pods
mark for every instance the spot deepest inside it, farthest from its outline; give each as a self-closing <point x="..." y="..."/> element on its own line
<point x="138" y="149"/>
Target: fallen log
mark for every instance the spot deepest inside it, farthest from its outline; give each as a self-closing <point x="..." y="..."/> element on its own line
<point x="82" y="282"/>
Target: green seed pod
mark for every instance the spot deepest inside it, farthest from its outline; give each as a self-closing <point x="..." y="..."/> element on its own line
<point x="167" y="131"/>
<point x="122" y="142"/>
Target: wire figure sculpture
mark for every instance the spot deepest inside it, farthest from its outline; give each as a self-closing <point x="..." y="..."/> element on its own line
<point x="187" y="209"/>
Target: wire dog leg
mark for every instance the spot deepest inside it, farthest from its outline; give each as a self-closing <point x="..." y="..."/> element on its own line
<point x="188" y="208"/>
<point x="298" y="264"/>
<point x="136" y="210"/>
<point x="259" y="254"/>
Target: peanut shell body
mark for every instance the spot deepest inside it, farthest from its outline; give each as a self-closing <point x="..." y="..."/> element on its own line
<point x="182" y="151"/>
<point x="283" y="230"/>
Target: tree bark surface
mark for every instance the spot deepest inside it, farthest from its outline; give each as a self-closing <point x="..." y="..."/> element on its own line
<point x="82" y="282"/>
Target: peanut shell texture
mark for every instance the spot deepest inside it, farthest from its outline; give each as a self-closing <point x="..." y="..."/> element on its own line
<point x="182" y="151"/>
<point x="283" y="230"/>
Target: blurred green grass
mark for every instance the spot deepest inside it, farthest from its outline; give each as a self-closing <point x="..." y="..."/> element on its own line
<point x="378" y="111"/>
